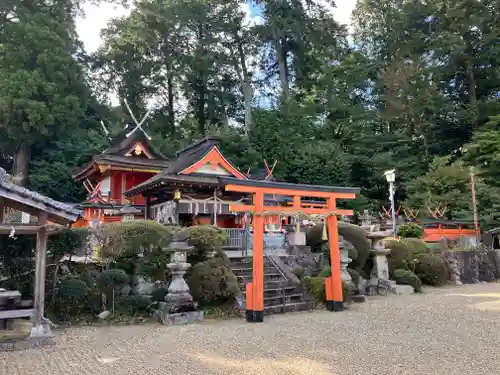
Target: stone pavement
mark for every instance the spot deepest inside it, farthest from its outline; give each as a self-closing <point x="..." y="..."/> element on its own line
<point x="453" y="330"/>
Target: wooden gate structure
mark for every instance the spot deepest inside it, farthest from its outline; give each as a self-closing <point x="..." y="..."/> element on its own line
<point x="298" y="192"/>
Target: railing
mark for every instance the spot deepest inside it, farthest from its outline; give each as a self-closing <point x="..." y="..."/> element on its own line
<point x="283" y="293"/>
<point x="238" y="237"/>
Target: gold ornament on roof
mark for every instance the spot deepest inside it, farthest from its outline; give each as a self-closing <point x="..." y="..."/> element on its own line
<point x="138" y="149"/>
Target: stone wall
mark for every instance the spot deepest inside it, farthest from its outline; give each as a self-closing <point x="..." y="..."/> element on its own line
<point x="474" y="266"/>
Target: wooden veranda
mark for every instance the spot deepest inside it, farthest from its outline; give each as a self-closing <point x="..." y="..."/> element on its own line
<point x="51" y="216"/>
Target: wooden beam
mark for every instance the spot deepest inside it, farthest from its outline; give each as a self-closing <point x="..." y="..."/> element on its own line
<point x="2" y="209"/>
<point x="306" y="210"/>
<point x="289" y="192"/>
<point x="30" y="229"/>
<point x="41" y="262"/>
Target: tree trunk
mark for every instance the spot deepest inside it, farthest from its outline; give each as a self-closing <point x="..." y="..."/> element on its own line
<point x="281" y="55"/>
<point x="20" y="169"/>
<point x="471" y="80"/>
<point x="171" y="112"/>
<point x="246" y="86"/>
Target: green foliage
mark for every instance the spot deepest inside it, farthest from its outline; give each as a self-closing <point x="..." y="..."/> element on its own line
<point x="112" y="280"/>
<point x="417" y="246"/>
<point x="407" y="277"/>
<point x="68" y="242"/>
<point x="212" y="282"/>
<point x="129" y="239"/>
<point x="158" y="295"/>
<point x="137" y="305"/>
<point x="400" y="256"/>
<point x="206" y="239"/>
<point x="355" y="276"/>
<point x="316" y="288"/>
<point x="71" y="296"/>
<point x="351" y="233"/>
<point x="410" y="230"/>
<point x="325" y="272"/>
<point x="431" y="269"/>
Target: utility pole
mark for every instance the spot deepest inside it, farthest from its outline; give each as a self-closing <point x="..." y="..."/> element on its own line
<point x="474" y="204"/>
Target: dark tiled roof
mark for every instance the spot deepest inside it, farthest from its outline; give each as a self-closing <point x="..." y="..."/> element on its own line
<point x="34" y="200"/>
<point x="286" y="185"/>
<point x="122" y="143"/>
<point x="133" y="161"/>
<point x="185" y="158"/>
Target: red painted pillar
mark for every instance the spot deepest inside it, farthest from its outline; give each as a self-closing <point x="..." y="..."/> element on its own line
<point x="334" y="298"/>
<point x="255" y="311"/>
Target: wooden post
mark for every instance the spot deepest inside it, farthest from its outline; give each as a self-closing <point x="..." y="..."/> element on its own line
<point x="474" y="204"/>
<point x="215" y="208"/>
<point x="256" y="314"/>
<point x="2" y="209"/>
<point x="39" y="296"/>
<point x="146" y="207"/>
<point x="334" y="296"/>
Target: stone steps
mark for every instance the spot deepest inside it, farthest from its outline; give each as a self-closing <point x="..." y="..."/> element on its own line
<point x="279" y="294"/>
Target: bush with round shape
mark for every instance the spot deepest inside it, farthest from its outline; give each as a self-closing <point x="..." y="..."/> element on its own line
<point x="317" y="289"/>
<point x="407" y="277"/>
<point x="355" y="276"/>
<point x="410" y="230"/>
<point x="70" y="301"/>
<point x="400" y="256"/>
<point x="137" y="305"/>
<point x="211" y="282"/>
<point x="158" y="294"/>
<point x="351" y="233"/>
<point x="417" y="246"/>
<point x="431" y="269"/>
<point x="206" y="239"/>
<point x="111" y="281"/>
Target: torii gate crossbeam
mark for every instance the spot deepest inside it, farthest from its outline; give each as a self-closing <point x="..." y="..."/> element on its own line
<point x="258" y="189"/>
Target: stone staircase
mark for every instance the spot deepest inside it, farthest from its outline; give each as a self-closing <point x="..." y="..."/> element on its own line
<point x="280" y="295"/>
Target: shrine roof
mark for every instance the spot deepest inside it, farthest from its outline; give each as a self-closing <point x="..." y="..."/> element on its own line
<point x="185" y="158"/>
<point x="123" y="161"/>
<point x="122" y="143"/>
<point x="162" y="179"/>
<point x="20" y="198"/>
<point x="287" y="185"/>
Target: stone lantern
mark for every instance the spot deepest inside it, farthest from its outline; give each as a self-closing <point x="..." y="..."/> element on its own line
<point x="179" y="307"/>
<point x="379" y="279"/>
<point x="128" y="213"/>
<point x="344" y="260"/>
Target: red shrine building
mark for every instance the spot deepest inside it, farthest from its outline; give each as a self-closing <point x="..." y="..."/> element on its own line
<point x="128" y="162"/>
<point x="132" y="178"/>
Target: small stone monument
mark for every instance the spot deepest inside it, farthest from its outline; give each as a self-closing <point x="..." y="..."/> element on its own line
<point x="366" y="220"/>
<point x="379" y="279"/>
<point x="179" y="307"/>
<point x="344" y="260"/>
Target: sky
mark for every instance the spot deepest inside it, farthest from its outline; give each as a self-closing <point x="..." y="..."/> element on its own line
<point x="96" y="18"/>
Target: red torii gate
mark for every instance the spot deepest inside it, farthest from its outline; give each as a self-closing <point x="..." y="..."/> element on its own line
<point x="258" y="189"/>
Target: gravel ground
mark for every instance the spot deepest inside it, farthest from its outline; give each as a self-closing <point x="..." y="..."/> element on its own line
<point x="453" y="330"/>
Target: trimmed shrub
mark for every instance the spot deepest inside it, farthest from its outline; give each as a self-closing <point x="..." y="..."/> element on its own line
<point x="71" y="296"/>
<point x="127" y="239"/>
<point x="158" y="295"/>
<point x="417" y="246"/>
<point x="410" y="230"/>
<point x="325" y="272"/>
<point x="206" y="239"/>
<point x="431" y="269"/>
<point x="316" y="288"/>
<point x="407" y="277"/>
<point x="112" y="281"/>
<point x="400" y="256"/>
<point x="137" y="305"/>
<point x="212" y="282"/>
<point x="355" y="276"/>
<point x="351" y="233"/>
